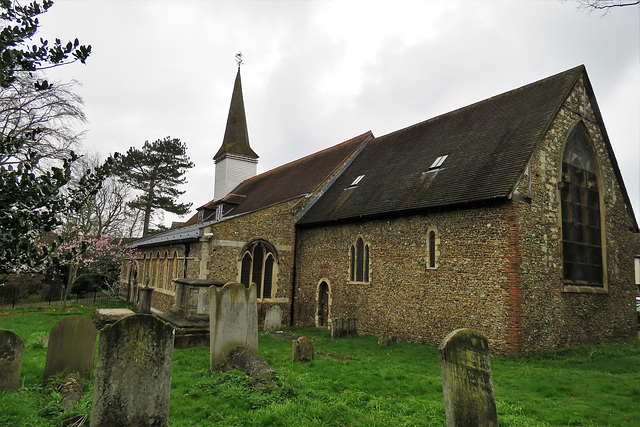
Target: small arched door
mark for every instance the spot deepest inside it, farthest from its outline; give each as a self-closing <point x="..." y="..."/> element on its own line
<point x="323" y="304"/>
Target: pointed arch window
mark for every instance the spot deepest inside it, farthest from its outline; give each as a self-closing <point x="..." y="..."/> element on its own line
<point x="258" y="265"/>
<point x="581" y="217"/>
<point x="359" y="261"/>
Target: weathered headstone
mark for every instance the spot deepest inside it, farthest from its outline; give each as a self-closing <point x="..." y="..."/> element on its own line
<point x="233" y="321"/>
<point x="386" y="341"/>
<point x="133" y="373"/>
<point x="466" y="380"/>
<point x="273" y="319"/>
<point x="72" y="344"/>
<point x="303" y="350"/>
<point x="11" y="353"/>
<point x="144" y="306"/>
<point x="344" y="327"/>
<point x="71" y="390"/>
<point x="107" y="316"/>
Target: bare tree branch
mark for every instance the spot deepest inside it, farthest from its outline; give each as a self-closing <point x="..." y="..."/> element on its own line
<point x="51" y="113"/>
<point x="605" y="5"/>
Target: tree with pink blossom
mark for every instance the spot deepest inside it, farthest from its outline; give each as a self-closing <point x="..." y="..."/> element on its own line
<point x="97" y="256"/>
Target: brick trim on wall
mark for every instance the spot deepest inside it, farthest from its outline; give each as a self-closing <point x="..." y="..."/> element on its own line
<point x="515" y="291"/>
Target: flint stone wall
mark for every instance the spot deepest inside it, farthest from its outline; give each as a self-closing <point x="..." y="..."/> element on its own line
<point x="499" y="264"/>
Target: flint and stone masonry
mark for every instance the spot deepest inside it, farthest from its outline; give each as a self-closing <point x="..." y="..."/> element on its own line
<point x="499" y="264"/>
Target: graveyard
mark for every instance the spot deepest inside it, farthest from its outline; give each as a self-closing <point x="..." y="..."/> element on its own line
<point x="354" y="381"/>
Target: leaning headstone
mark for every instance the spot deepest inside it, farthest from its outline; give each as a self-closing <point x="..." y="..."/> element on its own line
<point x="252" y="365"/>
<point x="72" y="344"/>
<point x="233" y="321"/>
<point x="133" y="373"/>
<point x="11" y="353"/>
<point x="71" y="390"/>
<point x="344" y="327"/>
<point x="466" y="380"/>
<point x="303" y="350"/>
<point x="273" y="319"/>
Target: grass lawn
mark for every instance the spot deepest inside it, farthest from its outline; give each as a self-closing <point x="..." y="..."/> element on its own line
<point x="352" y="382"/>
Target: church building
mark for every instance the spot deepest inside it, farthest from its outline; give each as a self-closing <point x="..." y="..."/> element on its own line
<point x="508" y="216"/>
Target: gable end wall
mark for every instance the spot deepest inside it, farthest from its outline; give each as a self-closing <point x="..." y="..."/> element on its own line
<point x="553" y="317"/>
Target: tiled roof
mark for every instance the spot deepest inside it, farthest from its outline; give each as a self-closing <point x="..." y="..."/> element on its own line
<point x="488" y="145"/>
<point x="291" y="180"/>
<point x="294" y="179"/>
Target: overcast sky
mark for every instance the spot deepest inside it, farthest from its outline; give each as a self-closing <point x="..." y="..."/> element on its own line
<point x="317" y="73"/>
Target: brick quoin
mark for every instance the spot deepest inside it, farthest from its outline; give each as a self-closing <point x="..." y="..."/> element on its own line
<point x="515" y="297"/>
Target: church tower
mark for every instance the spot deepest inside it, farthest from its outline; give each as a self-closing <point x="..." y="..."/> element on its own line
<point x="235" y="161"/>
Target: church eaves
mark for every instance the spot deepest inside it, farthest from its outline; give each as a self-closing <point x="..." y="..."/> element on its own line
<point x="236" y="135"/>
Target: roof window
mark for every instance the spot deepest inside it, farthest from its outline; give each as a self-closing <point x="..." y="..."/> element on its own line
<point x="438" y="162"/>
<point x="356" y="181"/>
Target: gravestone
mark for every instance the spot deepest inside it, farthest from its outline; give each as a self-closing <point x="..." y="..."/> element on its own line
<point x="144" y="306"/>
<point x="273" y="319"/>
<point x="233" y="321"/>
<point x="133" y="373"/>
<point x="466" y="380"/>
<point x="386" y="341"/>
<point x="189" y="315"/>
<point x="303" y="350"/>
<point x="72" y="344"/>
<point x="107" y="316"/>
<point x="344" y="327"/>
<point x="11" y="353"/>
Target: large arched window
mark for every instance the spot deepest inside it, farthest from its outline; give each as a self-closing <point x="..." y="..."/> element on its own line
<point x="581" y="217"/>
<point x="258" y="265"/>
<point x="359" y="261"/>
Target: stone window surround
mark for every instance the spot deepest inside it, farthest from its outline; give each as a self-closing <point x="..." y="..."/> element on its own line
<point x="352" y="262"/>
<point x="271" y="250"/>
<point x="436" y="254"/>
<point x="570" y="287"/>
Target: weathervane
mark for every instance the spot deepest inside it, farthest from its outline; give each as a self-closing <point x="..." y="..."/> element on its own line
<point x="239" y="59"/>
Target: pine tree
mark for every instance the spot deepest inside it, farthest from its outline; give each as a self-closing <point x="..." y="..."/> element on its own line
<point x="156" y="171"/>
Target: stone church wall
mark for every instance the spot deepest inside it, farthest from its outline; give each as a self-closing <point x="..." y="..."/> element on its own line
<point x="222" y="249"/>
<point x="499" y="267"/>
<point x="405" y="298"/>
<point x="555" y="315"/>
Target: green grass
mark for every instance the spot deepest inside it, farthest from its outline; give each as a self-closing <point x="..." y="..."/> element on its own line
<point x="369" y="386"/>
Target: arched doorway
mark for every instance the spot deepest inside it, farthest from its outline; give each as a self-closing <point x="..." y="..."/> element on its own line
<point x="323" y="305"/>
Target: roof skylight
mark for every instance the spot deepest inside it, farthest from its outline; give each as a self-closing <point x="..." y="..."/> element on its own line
<point x="438" y="162"/>
<point x="356" y="181"/>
